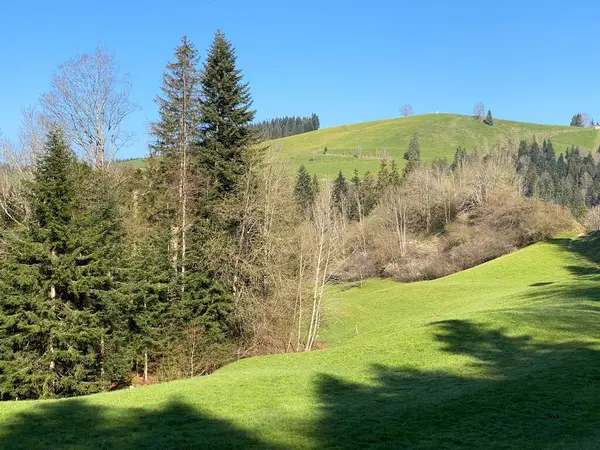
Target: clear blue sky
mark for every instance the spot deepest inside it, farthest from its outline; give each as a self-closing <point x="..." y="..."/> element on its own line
<point x="349" y="61"/>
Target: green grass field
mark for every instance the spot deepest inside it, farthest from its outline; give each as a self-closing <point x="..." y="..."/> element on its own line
<point x="439" y="136"/>
<point x="504" y="355"/>
<point x="361" y="146"/>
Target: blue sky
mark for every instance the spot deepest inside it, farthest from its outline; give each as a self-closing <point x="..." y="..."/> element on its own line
<point x="348" y="61"/>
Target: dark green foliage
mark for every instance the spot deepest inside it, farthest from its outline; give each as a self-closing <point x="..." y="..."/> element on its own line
<point x="286" y="126"/>
<point x="179" y="103"/>
<point x="62" y="313"/>
<point x="413" y="155"/>
<point x="571" y="179"/>
<point x="226" y="117"/>
<point x="304" y="191"/>
<point x="383" y="178"/>
<point x="577" y="120"/>
<point x="339" y="193"/>
<point x="488" y="119"/>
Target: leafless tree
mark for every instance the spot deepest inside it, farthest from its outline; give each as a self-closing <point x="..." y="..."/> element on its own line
<point x="585" y="118"/>
<point x="478" y="110"/>
<point x="90" y="99"/>
<point x="406" y="110"/>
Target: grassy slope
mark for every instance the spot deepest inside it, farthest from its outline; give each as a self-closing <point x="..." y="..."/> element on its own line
<point x="506" y="354"/>
<point x="439" y="136"/>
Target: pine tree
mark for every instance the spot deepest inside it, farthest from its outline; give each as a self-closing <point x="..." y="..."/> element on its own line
<point x="339" y="192"/>
<point x="177" y="134"/>
<point x="226" y="118"/>
<point x="413" y="155"/>
<point x="368" y="193"/>
<point x="383" y="178"/>
<point x="54" y="317"/>
<point x="303" y="191"/>
<point x="355" y="207"/>
<point x="395" y="180"/>
<point x="488" y="119"/>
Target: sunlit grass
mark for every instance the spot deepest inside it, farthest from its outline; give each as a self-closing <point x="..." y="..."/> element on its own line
<point x="502" y="355"/>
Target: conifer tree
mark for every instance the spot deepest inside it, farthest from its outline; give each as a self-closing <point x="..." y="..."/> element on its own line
<point x="369" y="193"/>
<point x="488" y="119"/>
<point x="413" y="155"/>
<point x="339" y="192"/>
<point x="226" y="118"/>
<point x="176" y="135"/>
<point x="383" y="178"/>
<point x="54" y="318"/>
<point x="303" y="191"/>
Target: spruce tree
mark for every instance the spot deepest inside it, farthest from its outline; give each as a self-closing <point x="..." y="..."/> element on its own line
<point x="226" y="118"/>
<point x="339" y="192"/>
<point x="303" y="191"/>
<point x="488" y="119"/>
<point x="53" y="323"/>
<point x="355" y="207"/>
<point x="383" y="178"/>
<point x="172" y="162"/>
<point x="368" y="193"/>
<point x="413" y="155"/>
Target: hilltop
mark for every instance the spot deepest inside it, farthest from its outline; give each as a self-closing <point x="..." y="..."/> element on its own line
<point x="362" y="145"/>
<point x="502" y="355"/>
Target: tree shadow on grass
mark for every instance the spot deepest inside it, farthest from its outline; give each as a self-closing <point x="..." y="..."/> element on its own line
<point x="529" y="395"/>
<point x="78" y="424"/>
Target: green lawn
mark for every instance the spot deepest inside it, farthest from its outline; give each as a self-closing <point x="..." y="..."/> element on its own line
<point x="361" y="145"/>
<point x="504" y="355"/>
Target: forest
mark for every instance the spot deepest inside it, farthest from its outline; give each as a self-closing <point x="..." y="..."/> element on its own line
<point x="112" y="276"/>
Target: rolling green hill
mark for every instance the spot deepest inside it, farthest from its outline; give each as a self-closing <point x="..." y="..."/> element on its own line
<point x="504" y="355"/>
<point x="362" y="145"/>
<point x="439" y="136"/>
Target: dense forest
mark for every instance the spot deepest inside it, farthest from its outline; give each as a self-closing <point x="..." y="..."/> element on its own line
<point x="286" y="126"/>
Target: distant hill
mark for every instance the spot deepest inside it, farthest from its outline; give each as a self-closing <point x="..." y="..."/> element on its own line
<point x="362" y="145"/>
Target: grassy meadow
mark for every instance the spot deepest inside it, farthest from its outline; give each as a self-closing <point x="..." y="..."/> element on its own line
<point x="503" y="355"/>
<point x="361" y="146"/>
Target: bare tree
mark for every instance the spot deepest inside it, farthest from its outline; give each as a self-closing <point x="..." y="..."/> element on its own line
<point x="478" y="110"/>
<point x="585" y="119"/>
<point x="90" y="99"/>
<point x="592" y="219"/>
<point x="406" y="110"/>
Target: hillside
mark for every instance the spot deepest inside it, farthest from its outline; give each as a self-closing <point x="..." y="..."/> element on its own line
<point x="506" y="354"/>
<point x="362" y="145"/>
<point x="439" y="136"/>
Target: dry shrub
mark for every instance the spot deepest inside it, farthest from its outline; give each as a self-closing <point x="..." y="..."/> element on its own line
<point x="440" y="222"/>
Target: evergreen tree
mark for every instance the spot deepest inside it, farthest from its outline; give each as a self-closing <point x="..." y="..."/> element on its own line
<point x="368" y="193"/>
<point x="303" y="191"/>
<point x="226" y="118"/>
<point x="577" y="120"/>
<point x="488" y="119"/>
<point x="394" y="177"/>
<point x="339" y="192"/>
<point x="383" y="178"/>
<point x="355" y="207"/>
<point x="56" y="314"/>
<point x="413" y="155"/>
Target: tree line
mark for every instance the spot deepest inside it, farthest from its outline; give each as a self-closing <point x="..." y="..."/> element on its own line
<point x="91" y="294"/>
<point x="286" y="126"/>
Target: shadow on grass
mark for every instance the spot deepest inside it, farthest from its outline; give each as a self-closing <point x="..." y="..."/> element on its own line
<point x="75" y="424"/>
<point x="530" y="396"/>
<point x="504" y="392"/>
